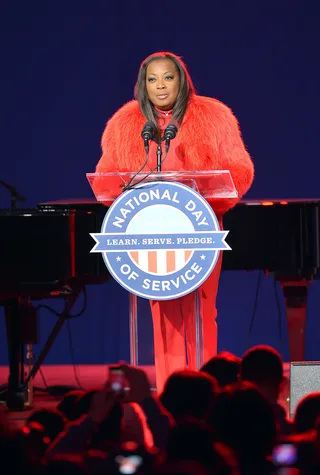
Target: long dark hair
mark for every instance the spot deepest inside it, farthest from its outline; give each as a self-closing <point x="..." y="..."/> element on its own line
<point x="186" y="89"/>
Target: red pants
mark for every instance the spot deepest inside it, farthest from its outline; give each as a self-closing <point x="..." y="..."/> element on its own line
<point x="174" y="328"/>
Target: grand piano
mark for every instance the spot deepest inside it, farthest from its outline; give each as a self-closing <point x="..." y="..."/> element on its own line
<point x="45" y="253"/>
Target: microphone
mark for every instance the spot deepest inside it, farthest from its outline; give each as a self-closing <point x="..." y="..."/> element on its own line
<point x="147" y="134"/>
<point x="170" y="133"/>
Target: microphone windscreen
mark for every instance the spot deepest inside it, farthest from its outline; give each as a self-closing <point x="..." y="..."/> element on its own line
<point x="148" y="130"/>
<point x="171" y="130"/>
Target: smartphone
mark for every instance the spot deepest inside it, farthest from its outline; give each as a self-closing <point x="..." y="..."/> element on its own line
<point x="285" y="455"/>
<point x="128" y="464"/>
<point x="117" y="378"/>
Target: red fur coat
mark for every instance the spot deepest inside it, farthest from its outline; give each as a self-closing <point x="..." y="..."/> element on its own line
<point x="209" y="139"/>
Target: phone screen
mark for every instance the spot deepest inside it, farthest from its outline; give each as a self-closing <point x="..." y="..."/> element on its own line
<point x="128" y="464"/>
<point x="117" y="379"/>
<point x="285" y="455"/>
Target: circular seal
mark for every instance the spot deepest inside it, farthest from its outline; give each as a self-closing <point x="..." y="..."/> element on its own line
<point x="160" y="240"/>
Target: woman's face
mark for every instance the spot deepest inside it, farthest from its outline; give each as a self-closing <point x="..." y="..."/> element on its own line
<point x="162" y="82"/>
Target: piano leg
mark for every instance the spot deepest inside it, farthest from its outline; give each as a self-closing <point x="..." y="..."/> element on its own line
<point x="296" y="294"/>
<point x="15" y="391"/>
<point x="52" y="337"/>
<point x="21" y="323"/>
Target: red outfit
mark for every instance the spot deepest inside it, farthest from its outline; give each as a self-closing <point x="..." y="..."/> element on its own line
<point x="208" y="139"/>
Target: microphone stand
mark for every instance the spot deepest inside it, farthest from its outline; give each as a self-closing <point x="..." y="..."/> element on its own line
<point x="159" y="156"/>
<point x="15" y="195"/>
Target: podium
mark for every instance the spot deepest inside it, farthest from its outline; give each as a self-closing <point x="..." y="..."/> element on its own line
<point x="213" y="186"/>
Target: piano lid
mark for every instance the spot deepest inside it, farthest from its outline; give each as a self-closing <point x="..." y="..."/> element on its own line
<point x="278" y="201"/>
<point x="77" y="204"/>
<point x="88" y="203"/>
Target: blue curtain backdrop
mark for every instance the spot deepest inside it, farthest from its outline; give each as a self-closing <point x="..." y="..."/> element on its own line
<point x="67" y="66"/>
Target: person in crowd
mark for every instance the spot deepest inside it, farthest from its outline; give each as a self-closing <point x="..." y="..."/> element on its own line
<point x="67" y="405"/>
<point x="108" y="418"/>
<point x="307" y="413"/>
<point x="244" y="420"/>
<point x="224" y="367"/>
<point x="189" y="393"/>
<point x="263" y="366"/>
<point x="52" y="422"/>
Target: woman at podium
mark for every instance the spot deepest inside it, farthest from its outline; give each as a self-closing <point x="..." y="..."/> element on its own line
<point x="208" y="138"/>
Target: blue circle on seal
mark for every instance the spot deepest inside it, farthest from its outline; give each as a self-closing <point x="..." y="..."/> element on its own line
<point x="160" y="240"/>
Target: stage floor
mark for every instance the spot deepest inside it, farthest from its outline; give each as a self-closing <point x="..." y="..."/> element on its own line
<point x="89" y="376"/>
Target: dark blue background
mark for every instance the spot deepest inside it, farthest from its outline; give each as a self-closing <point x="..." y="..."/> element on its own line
<point x="67" y="66"/>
